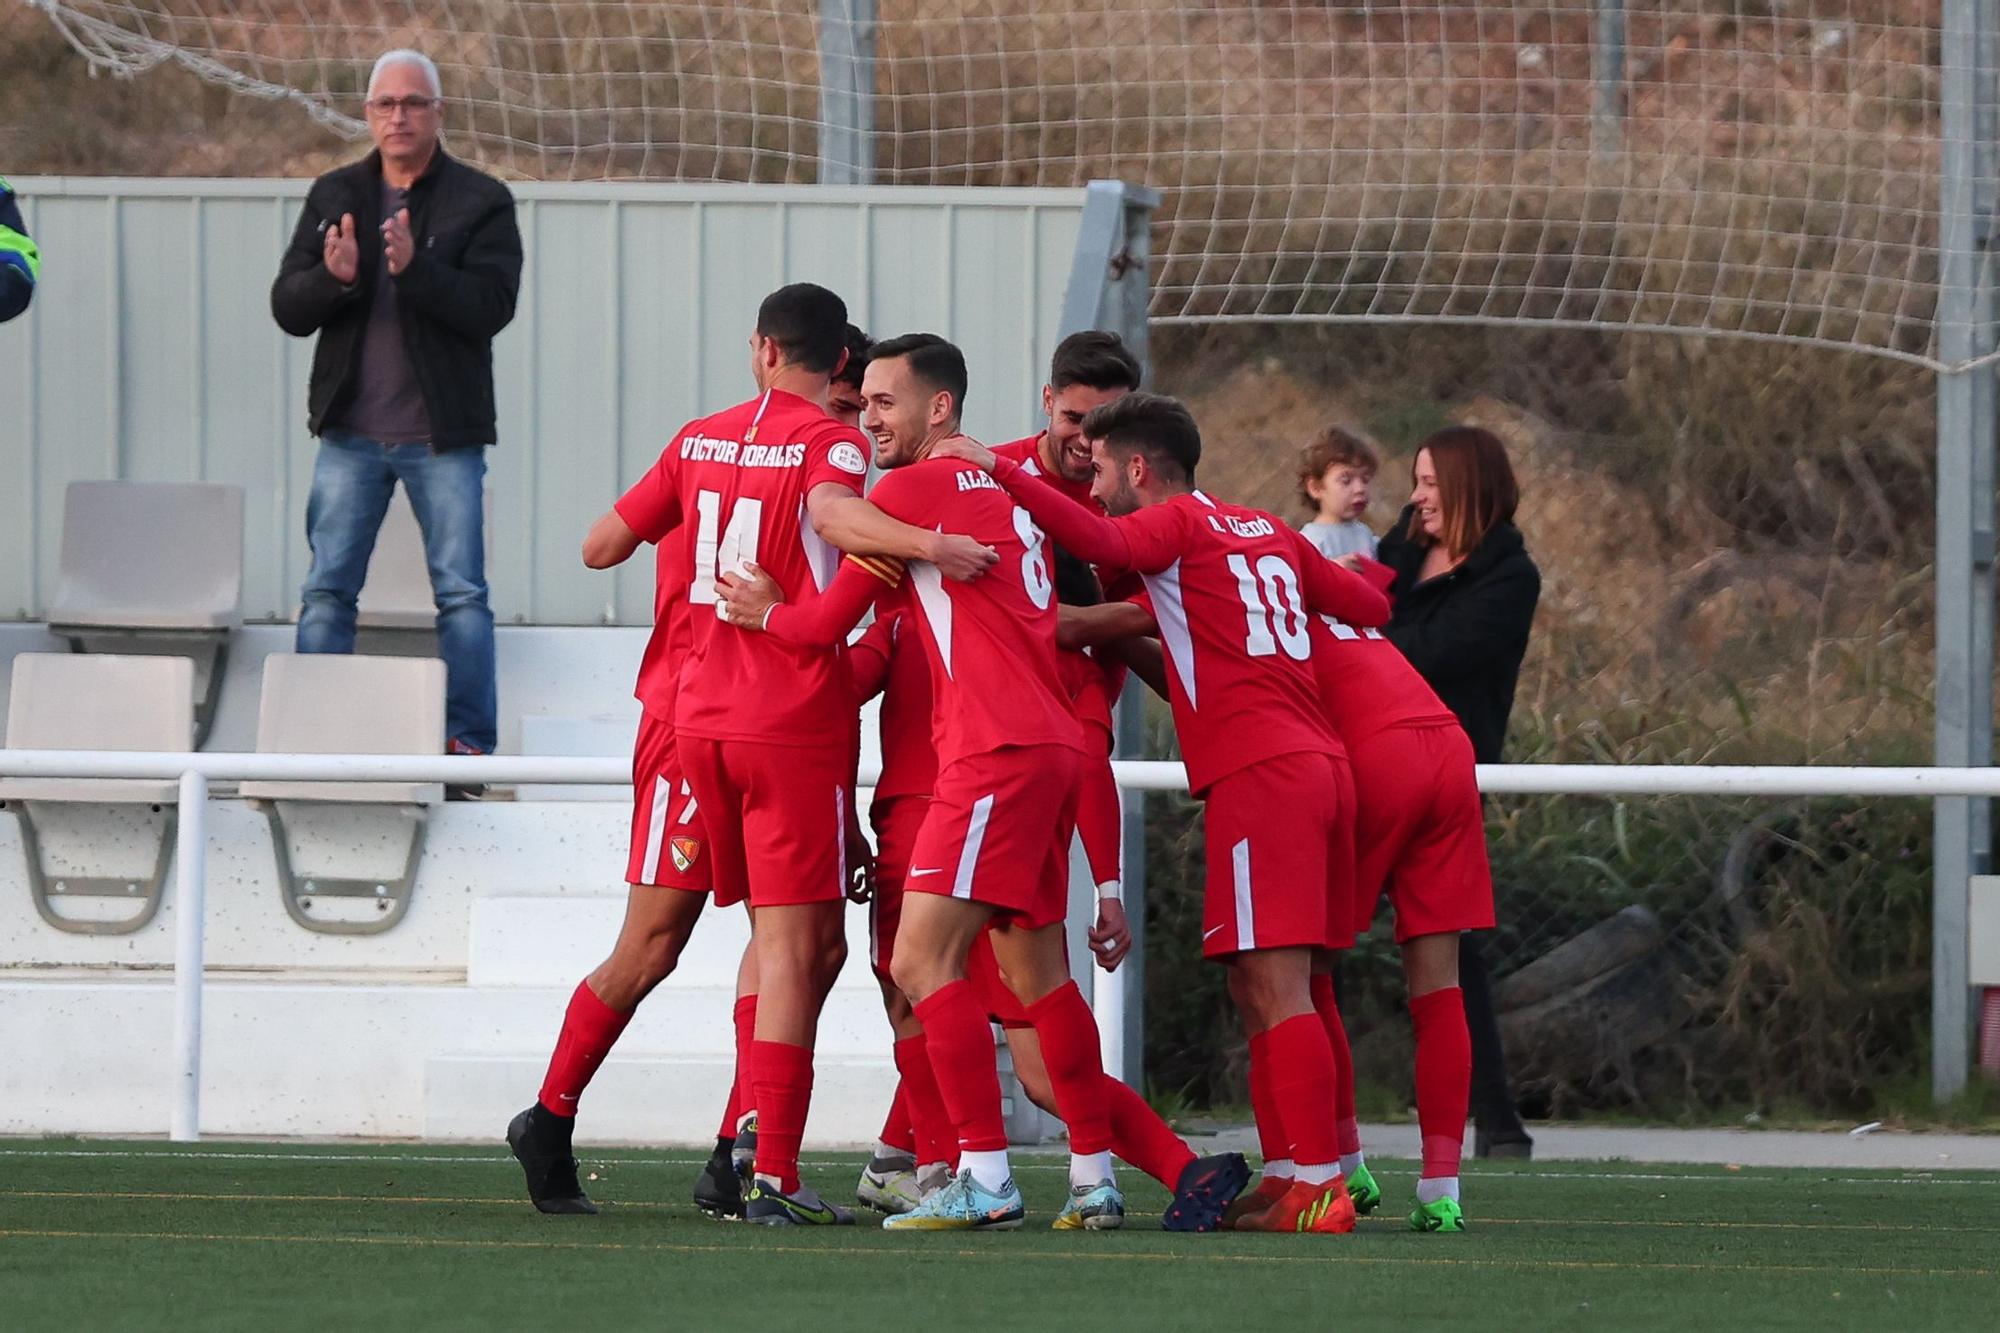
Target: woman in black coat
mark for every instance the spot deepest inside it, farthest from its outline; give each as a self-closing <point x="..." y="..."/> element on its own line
<point x="1465" y="595"/>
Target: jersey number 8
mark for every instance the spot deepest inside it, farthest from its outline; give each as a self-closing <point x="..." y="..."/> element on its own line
<point x="1034" y="563"/>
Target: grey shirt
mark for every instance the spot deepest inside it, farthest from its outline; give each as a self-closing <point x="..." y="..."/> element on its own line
<point x="387" y="404"/>
<point x="1337" y="539"/>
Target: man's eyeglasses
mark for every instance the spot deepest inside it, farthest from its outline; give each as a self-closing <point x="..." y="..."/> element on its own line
<point x="386" y="107"/>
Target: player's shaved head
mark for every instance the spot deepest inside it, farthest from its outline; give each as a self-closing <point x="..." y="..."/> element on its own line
<point x="809" y="325"/>
<point x="1152" y="424"/>
<point x="935" y="364"/>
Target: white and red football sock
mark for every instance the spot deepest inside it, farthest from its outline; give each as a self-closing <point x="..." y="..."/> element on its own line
<point x="1074" y="1057"/>
<point x="959" y="1043"/>
<point x="1444" y="1082"/>
<point x="1345" y="1122"/>
<point x="1272" y="1141"/>
<point x="781" y="1081"/>
<point x="1302" y="1080"/>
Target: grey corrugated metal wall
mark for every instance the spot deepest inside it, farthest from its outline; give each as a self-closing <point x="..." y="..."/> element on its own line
<point x="150" y="353"/>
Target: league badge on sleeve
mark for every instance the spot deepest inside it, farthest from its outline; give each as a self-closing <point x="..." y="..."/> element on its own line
<point x="848" y="458"/>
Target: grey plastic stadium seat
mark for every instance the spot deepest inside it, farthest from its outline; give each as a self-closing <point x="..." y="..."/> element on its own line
<point x="153" y="567"/>
<point x="397" y="593"/>
<point x="338" y="704"/>
<point x="98" y="702"/>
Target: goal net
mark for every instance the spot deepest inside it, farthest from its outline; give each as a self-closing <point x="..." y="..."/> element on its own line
<point x="1766" y="168"/>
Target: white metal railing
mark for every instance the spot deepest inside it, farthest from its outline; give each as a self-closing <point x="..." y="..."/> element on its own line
<point x="196" y="771"/>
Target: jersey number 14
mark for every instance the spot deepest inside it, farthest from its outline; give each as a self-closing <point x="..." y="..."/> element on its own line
<point x="736" y="547"/>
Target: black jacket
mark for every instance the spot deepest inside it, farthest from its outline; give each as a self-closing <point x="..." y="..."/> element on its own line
<point x="457" y="292"/>
<point x="1466" y="631"/>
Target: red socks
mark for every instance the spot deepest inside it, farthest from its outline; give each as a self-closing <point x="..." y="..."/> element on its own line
<point x="959" y="1041"/>
<point x="931" y="1126"/>
<point x="1444" y="1077"/>
<point x="1140" y="1137"/>
<point x="1273" y="1143"/>
<point x="1302" y="1087"/>
<point x="781" y="1080"/>
<point x="897" y="1132"/>
<point x="590" y="1028"/>
<point x="1075" y="1060"/>
<point x="1344" y="1120"/>
<point x="739" y="1091"/>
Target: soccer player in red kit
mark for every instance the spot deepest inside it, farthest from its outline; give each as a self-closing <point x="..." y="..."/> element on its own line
<point x="1008" y="757"/>
<point x="1088" y="370"/>
<point x="1231" y="588"/>
<point x="1420" y="837"/>
<point x="765" y="735"/>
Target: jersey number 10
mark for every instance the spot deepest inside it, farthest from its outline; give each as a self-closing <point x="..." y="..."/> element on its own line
<point x="1272" y="610"/>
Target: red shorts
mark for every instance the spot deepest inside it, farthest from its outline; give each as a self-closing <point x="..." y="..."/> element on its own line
<point x="667" y="834"/>
<point x="1280" y="837"/>
<point x="982" y="969"/>
<point x="896" y="822"/>
<point x="1421" y="831"/>
<point x="998" y="831"/>
<point x="777" y="819"/>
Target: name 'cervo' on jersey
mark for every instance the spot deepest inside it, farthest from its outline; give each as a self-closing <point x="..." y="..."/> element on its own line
<point x="1256" y="527"/>
<point x="706" y="449"/>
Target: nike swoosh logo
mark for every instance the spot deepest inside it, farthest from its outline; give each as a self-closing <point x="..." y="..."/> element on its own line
<point x="918" y="874"/>
<point x="565" y="1096"/>
<point x="1206" y="933"/>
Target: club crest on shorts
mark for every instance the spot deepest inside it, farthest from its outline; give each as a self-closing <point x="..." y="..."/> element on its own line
<point x="684" y="852"/>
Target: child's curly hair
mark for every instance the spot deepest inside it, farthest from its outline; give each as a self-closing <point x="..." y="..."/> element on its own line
<point x="1334" y="447"/>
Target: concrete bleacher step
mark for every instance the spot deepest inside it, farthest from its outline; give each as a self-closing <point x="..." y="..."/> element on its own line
<point x="551" y="940"/>
<point x="651" y="1099"/>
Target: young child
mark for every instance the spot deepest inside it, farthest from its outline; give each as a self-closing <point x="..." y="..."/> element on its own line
<point x="1335" y="472"/>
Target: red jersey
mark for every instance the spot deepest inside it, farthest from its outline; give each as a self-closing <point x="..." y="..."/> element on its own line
<point x="1028" y="453"/>
<point x="649" y="510"/>
<point x="1231" y="588"/>
<point x="1087" y="685"/>
<point x="1366" y="685"/>
<point x="740" y="480"/>
<point x="903" y="676"/>
<point x="991" y="643"/>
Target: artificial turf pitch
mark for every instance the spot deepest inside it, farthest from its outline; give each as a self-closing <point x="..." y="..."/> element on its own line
<point x="100" y="1235"/>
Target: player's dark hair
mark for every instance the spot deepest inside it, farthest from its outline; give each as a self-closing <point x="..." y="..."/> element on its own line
<point x="1076" y="583"/>
<point x="1150" y="423"/>
<point x="1096" y="360"/>
<point x="858" y="345"/>
<point x="937" y="364"/>
<point x="809" y="324"/>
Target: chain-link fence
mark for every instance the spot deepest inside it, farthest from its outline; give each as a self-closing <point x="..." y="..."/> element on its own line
<point x="1735" y="549"/>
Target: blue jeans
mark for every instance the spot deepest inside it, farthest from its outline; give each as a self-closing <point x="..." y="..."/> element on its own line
<point x="353" y="479"/>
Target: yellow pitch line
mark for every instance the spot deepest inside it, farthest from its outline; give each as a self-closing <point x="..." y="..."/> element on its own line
<point x="630" y="1205"/>
<point x="900" y="1254"/>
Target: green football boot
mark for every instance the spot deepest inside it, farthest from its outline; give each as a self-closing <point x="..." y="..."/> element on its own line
<point x="1361" y="1188"/>
<point x="1444" y="1215"/>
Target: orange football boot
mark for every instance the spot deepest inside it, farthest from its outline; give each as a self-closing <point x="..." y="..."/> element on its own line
<point x="1316" y="1208"/>
<point x="1251" y="1202"/>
